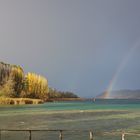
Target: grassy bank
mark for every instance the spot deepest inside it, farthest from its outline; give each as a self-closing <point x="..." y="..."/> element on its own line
<point x="20" y="101"/>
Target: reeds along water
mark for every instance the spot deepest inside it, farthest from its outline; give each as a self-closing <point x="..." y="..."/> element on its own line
<point x="19" y="101"/>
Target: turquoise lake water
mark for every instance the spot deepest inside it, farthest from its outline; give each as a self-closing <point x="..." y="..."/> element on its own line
<point x="109" y="104"/>
<point x="100" y="116"/>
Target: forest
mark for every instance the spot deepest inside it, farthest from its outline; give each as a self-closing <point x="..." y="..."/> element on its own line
<point x="14" y="83"/>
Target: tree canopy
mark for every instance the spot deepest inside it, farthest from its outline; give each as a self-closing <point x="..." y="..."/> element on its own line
<point x="14" y="83"/>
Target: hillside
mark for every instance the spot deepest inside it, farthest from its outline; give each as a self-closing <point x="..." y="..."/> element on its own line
<point x="120" y="94"/>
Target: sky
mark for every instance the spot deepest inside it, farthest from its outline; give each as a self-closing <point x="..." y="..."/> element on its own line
<point x="78" y="45"/>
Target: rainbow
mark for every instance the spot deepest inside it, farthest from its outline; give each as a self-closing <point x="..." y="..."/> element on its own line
<point x="121" y="66"/>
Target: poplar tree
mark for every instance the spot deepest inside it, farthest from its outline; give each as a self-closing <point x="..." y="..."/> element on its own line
<point x="36" y="86"/>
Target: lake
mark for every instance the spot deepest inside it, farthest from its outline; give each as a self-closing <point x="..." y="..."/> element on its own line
<point x="99" y="116"/>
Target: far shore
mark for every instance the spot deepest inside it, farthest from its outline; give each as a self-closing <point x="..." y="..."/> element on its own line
<point x="65" y="99"/>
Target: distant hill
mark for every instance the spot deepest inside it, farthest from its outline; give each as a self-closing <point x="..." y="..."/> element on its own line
<point x="120" y="94"/>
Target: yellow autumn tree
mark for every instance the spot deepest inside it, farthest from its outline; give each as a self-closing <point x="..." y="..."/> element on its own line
<point x="36" y="86"/>
<point x="17" y="75"/>
<point x="13" y="76"/>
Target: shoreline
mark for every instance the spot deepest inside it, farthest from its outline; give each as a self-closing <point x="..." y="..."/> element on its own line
<point x="19" y="101"/>
<point x="65" y="99"/>
<point x="23" y="101"/>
